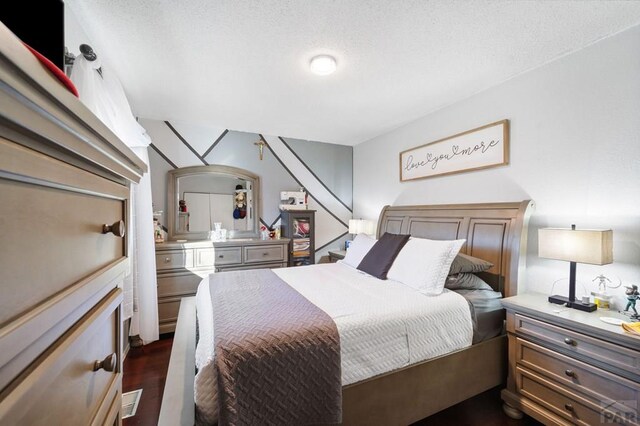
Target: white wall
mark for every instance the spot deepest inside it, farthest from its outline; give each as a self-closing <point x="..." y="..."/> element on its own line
<point x="575" y="150"/>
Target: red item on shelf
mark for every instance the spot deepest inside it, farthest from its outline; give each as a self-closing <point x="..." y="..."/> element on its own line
<point x="57" y="72"/>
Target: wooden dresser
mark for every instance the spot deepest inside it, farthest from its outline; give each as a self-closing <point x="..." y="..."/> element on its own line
<point x="63" y="176"/>
<point x="181" y="267"/>
<point x="568" y="366"/>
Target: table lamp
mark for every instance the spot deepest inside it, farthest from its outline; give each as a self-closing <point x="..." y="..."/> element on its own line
<point x="575" y="246"/>
<point x="361" y="226"/>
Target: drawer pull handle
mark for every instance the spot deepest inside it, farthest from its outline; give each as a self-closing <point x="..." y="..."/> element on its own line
<point x="569" y="341"/>
<point x="167" y="260"/>
<point x="570" y="373"/>
<point x="107" y="364"/>
<point x="265" y="254"/>
<point x="118" y="229"/>
<point x="568" y="407"/>
<point x="221" y="256"/>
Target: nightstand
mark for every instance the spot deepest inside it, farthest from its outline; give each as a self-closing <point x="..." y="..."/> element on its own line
<point x="568" y="366"/>
<point x="334" y="256"/>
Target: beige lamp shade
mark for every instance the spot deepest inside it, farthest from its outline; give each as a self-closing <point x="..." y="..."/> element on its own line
<point x="361" y="226"/>
<point x="577" y="245"/>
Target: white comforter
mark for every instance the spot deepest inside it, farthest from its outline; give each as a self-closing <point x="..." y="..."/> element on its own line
<point x="383" y="325"/>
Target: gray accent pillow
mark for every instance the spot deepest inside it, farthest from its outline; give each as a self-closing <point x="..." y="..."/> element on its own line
<point x="379" y="259"/>
<point x="466" y="282"/>
<point x="465" y="264"/>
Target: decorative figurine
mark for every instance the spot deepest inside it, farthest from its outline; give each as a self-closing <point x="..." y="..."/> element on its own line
<point x="157" y="230"/>
<point x="182" y="206"/>
<point x="632" y="296"/>
<point x="240" y="199"/>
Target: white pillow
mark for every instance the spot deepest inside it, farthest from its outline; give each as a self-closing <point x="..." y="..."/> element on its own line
<point x="424" y="264"/>
<point x="360" y="246"/>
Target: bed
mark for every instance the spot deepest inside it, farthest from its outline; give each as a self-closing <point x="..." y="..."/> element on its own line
<point x="496" y="232"/>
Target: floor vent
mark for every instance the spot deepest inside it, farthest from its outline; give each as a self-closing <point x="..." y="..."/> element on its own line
<point x="130" y="403"/>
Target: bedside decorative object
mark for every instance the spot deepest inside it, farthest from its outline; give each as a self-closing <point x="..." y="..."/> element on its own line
<point x="568" y="366"/>
<point x="576" y="246"/>
<point x="632" y="298"/>
<point x="479" y="148"/>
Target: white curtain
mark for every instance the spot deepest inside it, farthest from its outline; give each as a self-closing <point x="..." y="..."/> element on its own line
<point x="101" y="91"/>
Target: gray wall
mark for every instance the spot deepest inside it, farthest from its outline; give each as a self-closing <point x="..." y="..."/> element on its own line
<point x="575" y="150"/>
<point x="330" y="164"/>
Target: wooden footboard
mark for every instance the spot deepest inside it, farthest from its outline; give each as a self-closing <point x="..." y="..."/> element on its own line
<point x="405" y="396"/>
<point x="397" y="398"/>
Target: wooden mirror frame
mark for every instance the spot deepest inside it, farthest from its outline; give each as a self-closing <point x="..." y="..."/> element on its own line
<point x="215" y="170"/>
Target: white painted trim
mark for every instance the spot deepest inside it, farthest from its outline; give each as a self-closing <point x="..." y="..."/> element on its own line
<point x="178" y="405"/>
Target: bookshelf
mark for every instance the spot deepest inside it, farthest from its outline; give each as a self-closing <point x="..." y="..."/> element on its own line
<point x="299" y="226"/>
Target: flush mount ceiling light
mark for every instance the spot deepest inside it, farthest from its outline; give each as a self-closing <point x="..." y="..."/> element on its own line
<point x="323" y="64"/>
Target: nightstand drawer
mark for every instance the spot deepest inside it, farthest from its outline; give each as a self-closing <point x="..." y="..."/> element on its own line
<point x="603" y="352"/>
<point x="567" y="405"/>
<point x="265" y="253"/>
<point x="593" y="382"/>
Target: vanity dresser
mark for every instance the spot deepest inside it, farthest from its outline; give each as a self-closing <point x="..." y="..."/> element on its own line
<point x="569" y="367"/>
<point x="64" y="186"/>
<point x="181" y="267"/>
<point x="197" y="198"/>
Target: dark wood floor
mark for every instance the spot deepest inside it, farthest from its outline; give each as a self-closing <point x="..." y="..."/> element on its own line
<point x="146" y="368"/>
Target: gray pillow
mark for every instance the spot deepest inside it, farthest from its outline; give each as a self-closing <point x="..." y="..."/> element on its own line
<point x="465" y="264"/>
<point x="379" y="259"/>
<point x="466" y="282"/>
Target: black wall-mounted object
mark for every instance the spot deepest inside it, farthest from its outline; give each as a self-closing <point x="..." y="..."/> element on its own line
<point x="40" y="24"/>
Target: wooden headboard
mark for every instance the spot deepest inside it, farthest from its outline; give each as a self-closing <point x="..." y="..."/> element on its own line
<point x="496" y="232"/>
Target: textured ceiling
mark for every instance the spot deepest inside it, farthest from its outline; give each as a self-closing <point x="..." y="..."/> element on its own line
<point x="243" y="65"/>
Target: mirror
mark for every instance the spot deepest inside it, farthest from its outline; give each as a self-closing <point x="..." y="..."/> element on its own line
<point x="201" y="196"/>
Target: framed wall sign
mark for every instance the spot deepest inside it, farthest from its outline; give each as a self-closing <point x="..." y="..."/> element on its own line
<point x="480" y="148"/>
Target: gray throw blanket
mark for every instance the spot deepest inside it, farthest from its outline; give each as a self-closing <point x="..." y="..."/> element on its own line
<point x="277" y="354"/>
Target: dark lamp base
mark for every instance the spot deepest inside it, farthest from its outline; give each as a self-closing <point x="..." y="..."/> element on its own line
<point x="562" y="300"/>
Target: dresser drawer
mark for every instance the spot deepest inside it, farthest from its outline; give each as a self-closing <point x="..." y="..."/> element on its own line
<point x="174" y="259"/>
<point x="578" y="376"/>
<point x="178" y="285"/>
<point x="62" y="383"/>
<point x="168" y="310"/>
<point x="218" y="256"/>
<point x="605" y="353"/>
<point x="568" y="405"/>
<point x="49" y="240"/>
<point x="266" y="253"/>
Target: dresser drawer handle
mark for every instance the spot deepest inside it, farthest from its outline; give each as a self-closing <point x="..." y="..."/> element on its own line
<point x="118" y="229"/>
<point x="265" y="254"/>
<point x="569" y="341"/>
<point x="221" y="256"/>
<point x="107" y="364"/>
<point x="167" y="260"/>
<point x="570" y="373"/>
<point x="568" y="407"/>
